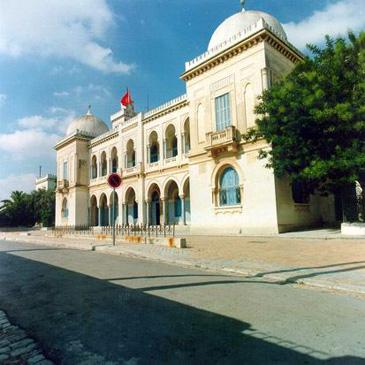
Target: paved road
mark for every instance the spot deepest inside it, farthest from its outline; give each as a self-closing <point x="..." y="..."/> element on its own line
<point x="90" y="308"/>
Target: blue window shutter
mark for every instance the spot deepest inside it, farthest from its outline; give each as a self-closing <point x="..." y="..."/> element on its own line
<point x="222" y="112"/>
<point x="229" y="187"/>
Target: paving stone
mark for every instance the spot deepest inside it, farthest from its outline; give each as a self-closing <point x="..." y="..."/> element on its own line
<point x="21" y="343"/>
<point x="35" y="359"/>
<point x="45" y="362"/>
<point x="3" y="357"/>
<point x="3" y="343"/>
<point x="17" y="337"/>
<point x="16" y="347"/>
<point x="5" y="349"/>
<point x="22" y="350"/>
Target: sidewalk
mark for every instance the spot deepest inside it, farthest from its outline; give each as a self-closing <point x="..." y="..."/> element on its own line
<point x="337" y="264"/>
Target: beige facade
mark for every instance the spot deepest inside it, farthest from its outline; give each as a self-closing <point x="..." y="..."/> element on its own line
<point x="185" y="162"/>
<point x="47" y="182"/>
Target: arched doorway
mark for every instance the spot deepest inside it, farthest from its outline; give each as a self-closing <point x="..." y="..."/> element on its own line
<point x="94" y="219"/>
<point x="186" y="190"/>
<point x="154" y="210"/>
<point x="131" y="206"/>
<point x="174" y="211"/>
<point x="104" y="211"/>
<point x="116" y="209"/>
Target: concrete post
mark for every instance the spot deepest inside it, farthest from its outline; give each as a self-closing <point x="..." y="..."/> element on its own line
<point x="164" y="202"/>
<point x="182" y="197"/>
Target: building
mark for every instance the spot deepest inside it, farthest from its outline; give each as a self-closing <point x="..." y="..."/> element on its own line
<point x="185" y="162"/>
<point x="47" y="182"/>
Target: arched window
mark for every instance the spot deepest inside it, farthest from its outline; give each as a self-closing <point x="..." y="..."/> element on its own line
<point x="229" y="193"/>
<point x="171" y="142"/>
<point x="64" y="211"/>
<point x="200" y="123"/>
<point x="130" y="155"/>
<point x="154" y="147"/>
<point x="94" y="168"/>
<point x="186" y="141"/>
<point x="104" y="168"/>
<point x="114" y="160"/>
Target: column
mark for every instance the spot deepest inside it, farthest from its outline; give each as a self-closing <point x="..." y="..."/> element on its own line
<point x="148" y="212"/>
<point x="110" y="214"/>
<point x="124" y="220"/>
<point x="164" y="202"/>
<point x="164" y="149"/>
<point x="99" y="216"/>
<point x="182" y="197"/>
<point x="183" y="144"/>
<point x="148" y="154"/>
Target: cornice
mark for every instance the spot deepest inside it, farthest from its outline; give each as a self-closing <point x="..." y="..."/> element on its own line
<point x="168" y="110"/>
<point x="101" y="139"/>
<point x="70" y="139"/>
<point x="264" y="34"/>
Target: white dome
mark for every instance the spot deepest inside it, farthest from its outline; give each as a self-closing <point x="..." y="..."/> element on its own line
<point x="87" y="124"/>
<point x="239" y="22"/>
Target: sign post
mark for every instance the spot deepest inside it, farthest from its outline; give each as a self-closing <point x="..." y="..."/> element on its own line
<point x="114" y="181"/>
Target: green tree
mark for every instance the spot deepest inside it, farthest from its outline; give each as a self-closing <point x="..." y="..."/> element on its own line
<point x="314" y="118"/>
<point x="44" y="206"/>
<point x="23" y="209"/>
<point x="17" y="210"/>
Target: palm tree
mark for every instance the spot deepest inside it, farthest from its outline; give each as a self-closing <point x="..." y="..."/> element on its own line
<point x="17" y="210"/>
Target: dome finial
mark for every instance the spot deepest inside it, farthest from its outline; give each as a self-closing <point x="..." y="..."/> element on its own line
<point x="243" y="4"/>
<point x="89" y="110"/>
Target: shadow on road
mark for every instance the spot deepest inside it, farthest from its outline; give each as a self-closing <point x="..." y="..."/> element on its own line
<point x="262" y="274"/>
<point x="82" y="319"/>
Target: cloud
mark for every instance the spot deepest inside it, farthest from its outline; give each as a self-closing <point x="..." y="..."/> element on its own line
<point x="335" y="19"/>
<point x="28" y="145"/>
<point x="23" y="182"/>
<point x="61" y="93"/>
<point x="67" y="29"/>
<point x="56" y="122"/>
<point x="86" y="92"/>
<point x="3" y="98"/>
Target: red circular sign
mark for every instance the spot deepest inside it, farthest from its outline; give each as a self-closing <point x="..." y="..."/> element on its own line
<point x="114" y="180"/>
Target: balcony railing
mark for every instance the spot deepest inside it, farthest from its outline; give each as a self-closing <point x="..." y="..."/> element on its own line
<point x="170" y="159"/>
<point x="222" y="141"/>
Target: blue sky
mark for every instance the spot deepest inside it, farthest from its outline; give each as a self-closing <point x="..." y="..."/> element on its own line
<point x="56" y="57"/>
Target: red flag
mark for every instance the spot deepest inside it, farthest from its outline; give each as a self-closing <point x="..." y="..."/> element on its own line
<point x="126" y="99"/>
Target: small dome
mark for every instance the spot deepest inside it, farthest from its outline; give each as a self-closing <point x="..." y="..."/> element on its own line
<point x="87" y="124"/>
<point x="239" y="22"/>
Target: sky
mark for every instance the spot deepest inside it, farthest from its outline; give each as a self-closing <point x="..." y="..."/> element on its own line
<point x="57" y="57"/>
